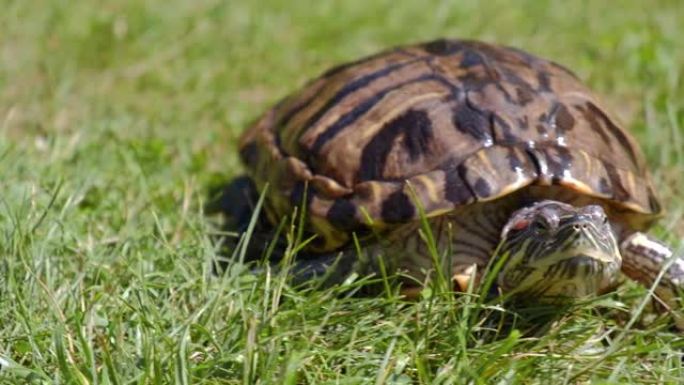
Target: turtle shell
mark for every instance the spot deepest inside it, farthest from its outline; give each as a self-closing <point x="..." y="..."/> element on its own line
<point x="431" y="127"/>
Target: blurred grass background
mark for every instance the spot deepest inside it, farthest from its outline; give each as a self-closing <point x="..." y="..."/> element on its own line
<point x="116" y="116"/>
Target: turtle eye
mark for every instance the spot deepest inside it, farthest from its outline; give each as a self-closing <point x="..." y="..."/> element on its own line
<point x="539" y="226"/>
<point x="521" y="224"/>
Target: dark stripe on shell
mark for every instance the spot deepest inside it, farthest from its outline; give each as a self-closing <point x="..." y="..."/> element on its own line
<point x="471" y="58"/>
<point x="397" y="208"/>
<point x="522" y="86"/>
<point x="604" y="186"/>
<point x="563" y="119"/>
<point x="615" y="131"/>
<point x="348" y="118"/>
<point x="443" y="47"/>
<point x="364" y="106"/>
<point x="482" y="188"/>
<point x="302" y="104"/>
<point x="653" y="202"/>
<point x="514" y="162"/>
<point x="339" y="68"/>
<point x="473" y="122"/>
<point x="534" y="156"/>
<point x="456" y="190"/>
<point x="287" y="116"/>
<point x="507" y="95"/>
<point x="416" y="127"/>
<point x="544" y="82"/>
<point x="418" y="136"/>
<point x="620" y="193"/>
<point x="541" y="129"/>
<point x="298" y="193"/>
<point x="558" y="159"/>
<point x="342" y="215"/>
<point x="524" y="96"/>
<point x="529" y="59"/>
<point x="508" y="136"/>
<point x="593" y="123"/>
<point x="354" y="86"/>
<point x="563" y="69"/>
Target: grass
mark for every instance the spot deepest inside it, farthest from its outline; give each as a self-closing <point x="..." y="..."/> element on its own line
<point x="117" y="116"/>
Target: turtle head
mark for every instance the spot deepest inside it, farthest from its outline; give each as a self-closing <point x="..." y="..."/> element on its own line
<point x="555" y="250"/>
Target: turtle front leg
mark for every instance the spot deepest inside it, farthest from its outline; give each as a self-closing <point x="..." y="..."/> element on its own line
<point x="643" y="258"/>
<point x="333" y="267"/>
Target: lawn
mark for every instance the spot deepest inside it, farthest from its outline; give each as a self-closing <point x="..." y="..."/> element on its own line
<point x="117" y="117"/>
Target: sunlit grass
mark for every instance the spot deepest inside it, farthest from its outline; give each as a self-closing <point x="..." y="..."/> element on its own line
<point x="117" y="117"/>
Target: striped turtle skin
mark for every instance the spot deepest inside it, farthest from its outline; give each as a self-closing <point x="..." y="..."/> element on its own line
<point x="463" y="131"/>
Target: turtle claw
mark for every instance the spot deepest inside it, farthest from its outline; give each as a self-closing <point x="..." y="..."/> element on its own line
<point x="325" y="269"/>
<point x="331" y="268"/>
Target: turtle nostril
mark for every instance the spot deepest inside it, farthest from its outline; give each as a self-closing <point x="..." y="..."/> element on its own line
<point x="580" y="227"/>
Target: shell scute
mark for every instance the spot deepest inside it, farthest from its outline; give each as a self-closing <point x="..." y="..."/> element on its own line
<point x="498" y="170"/>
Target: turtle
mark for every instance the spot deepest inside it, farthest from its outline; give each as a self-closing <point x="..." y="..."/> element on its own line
<point x="505" y="155"/>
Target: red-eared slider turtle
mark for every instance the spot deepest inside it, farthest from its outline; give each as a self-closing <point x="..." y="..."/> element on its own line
<point x="505" y="154"/>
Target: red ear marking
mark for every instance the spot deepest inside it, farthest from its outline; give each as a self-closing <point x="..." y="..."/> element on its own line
<point x="521" y="224"/>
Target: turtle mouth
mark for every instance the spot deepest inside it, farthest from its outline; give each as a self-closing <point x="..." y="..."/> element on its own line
<point x="579" y="276"/>
<point x="581" y="267"/>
